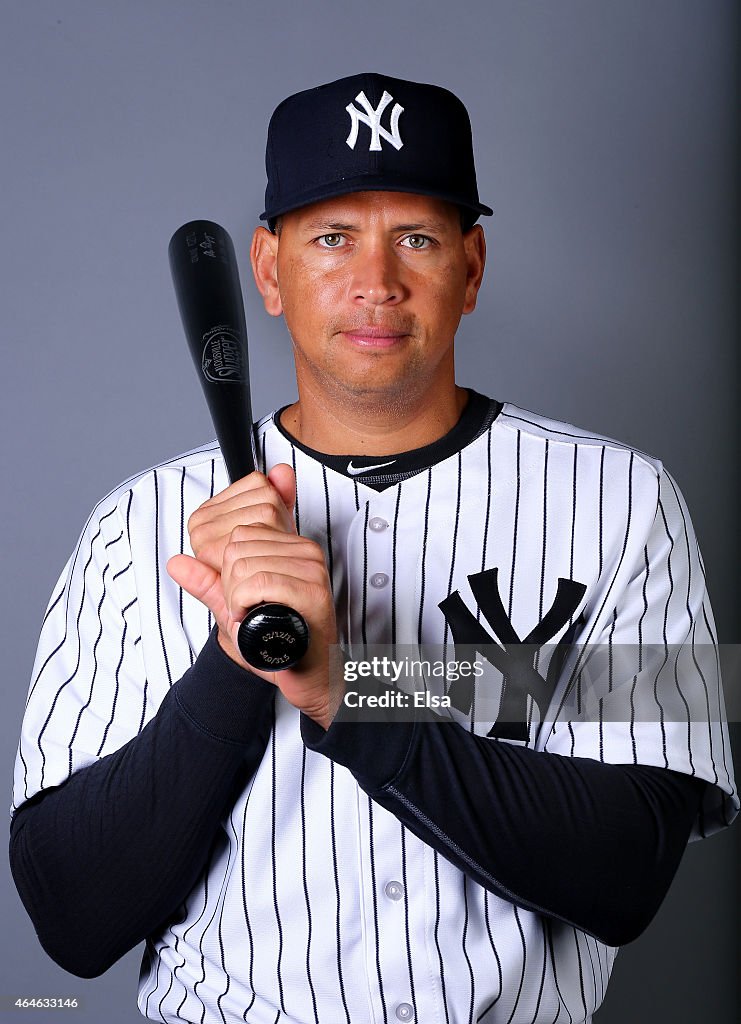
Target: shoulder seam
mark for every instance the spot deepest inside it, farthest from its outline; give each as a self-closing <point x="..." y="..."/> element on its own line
<point x="552" y="428"/>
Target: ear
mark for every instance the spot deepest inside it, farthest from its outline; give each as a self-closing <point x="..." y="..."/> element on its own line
<point x="264" y="259"/>
<point x="474" y="244"/>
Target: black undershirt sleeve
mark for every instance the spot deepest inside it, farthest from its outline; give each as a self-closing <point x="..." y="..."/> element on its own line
<point x="105" y="859"/>
<point x="592" y="844"/>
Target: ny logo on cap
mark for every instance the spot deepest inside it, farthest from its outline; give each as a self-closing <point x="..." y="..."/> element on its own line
<point x="372" y="118"/>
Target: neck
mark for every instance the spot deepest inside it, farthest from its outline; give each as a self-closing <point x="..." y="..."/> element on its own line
<point x="372" y="427"/>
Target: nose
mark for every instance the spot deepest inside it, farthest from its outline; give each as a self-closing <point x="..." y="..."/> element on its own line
<point x="376" y="277"/>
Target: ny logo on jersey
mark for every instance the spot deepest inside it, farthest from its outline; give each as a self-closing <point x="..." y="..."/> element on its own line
<point x="514" y="659"/>
<point x="372" y="118"/>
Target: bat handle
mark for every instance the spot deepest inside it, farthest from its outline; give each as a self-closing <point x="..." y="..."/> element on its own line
<point x="273" y="637"/>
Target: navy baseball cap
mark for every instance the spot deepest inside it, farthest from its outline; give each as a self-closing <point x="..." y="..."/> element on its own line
<point x="370" y="132"/>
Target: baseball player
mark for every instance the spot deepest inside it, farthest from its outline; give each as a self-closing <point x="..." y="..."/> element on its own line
<point x="478" y="859"/>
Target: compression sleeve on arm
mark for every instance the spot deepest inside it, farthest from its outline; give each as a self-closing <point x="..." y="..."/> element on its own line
<point x="593" y="844"/>
<point x="103" y="860"/>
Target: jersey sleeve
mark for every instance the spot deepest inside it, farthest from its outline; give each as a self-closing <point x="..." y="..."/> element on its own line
<point x="88" y="693"/>
<point x="114" y="767"/>
<point x="645" y="686"/>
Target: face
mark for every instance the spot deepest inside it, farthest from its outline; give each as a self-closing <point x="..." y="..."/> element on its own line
<point x="372" y="286"/>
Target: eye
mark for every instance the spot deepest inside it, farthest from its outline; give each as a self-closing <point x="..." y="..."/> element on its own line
<point x="417" y="242"/>
<point x="331" y="241"/>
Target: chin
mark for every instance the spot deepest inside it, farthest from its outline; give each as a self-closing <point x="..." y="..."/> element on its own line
<point x="379" y="395"/>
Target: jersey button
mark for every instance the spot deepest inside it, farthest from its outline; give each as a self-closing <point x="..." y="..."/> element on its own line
<point x="404" y="1011"/>
<point x="379" y="580"/>
<point x="377" y="524"/>
<point x="394" y="890"/>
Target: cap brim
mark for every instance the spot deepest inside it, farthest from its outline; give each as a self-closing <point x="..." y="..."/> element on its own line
<point x="342" y="188"/>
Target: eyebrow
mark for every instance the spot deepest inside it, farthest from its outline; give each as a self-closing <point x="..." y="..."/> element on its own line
<point x="323" y="225"/>
<point x="317" y="225"/>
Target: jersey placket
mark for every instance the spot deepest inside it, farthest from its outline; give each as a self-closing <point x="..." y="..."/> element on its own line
<point x="370" y="590"/>
<point x="370" y="606"/>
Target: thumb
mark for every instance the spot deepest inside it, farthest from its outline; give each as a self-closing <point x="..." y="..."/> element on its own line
<point x="202" y="582"/>
<point x="283" y="480"/>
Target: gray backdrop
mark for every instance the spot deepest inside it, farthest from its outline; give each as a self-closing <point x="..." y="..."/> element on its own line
<point x="607" y="144"/>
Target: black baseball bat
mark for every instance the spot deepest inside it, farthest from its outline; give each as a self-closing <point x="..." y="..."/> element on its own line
<point x="206" y="279"/>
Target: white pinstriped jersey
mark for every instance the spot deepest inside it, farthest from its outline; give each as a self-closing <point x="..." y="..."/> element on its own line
<point x="317" y="904"/>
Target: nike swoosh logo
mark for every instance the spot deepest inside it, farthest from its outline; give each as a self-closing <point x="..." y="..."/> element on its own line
<point x="357" y="470"/>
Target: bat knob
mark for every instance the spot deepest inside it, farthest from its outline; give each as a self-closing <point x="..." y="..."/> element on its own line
<point x="273" y="637"/>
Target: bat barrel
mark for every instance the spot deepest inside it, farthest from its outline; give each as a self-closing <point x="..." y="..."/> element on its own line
<point x="206" y="279"/>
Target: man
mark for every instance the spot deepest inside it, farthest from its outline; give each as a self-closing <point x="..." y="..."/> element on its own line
<point x="282" y="861"/>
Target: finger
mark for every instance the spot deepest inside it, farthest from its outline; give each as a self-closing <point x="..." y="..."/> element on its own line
<point x="208" y="538"/>
<point x="245" y="492"/>
<point x="283" y="479"/>
<point x="247" y="554"/>
<point x="241" y="542"/>
<point x="202" y="582"/>
<point x="280" y="483"/>
<point x="216" y="523"/>
<point x="262" y="540"/>
<point x="244" y="568"/>
<point x="242" y="486"/>
<point x="258" y="504"/>
<point x="271" y="586"/>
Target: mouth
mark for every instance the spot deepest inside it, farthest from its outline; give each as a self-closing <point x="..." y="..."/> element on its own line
<point x="372" y="337"/>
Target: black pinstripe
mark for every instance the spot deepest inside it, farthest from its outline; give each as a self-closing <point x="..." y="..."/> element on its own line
<point x="48" y="661"/>
<point x="364" y="628"/>
<point x="437" y="937"/>
<point x="498" y="996"/>
<point x="513" y="1014"/>
<point x="453" y="550"/>
<point x="330" y="553"/>
<point x="405" y="882"/>
<point x="158" y="586"/>
<point x="393" y="567"/>
<point x="543" y="972"/>
<point x="374" y="889"/>
<point x="515" y="529"/>
<point x="471" y="975"/>
<point x="551" y="952"/>
<point x="338" y="897"/>
<point x="117" y="686"/>
<point x="306" y="888"/>
<point x="88" y="702"/>
<point x="274" y="830"/>
<point x="424" y="552"/>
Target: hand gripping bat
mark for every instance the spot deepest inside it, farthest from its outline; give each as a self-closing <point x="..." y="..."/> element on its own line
<point x="206" y="279"/>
